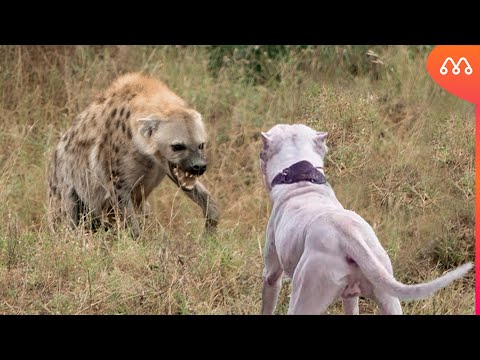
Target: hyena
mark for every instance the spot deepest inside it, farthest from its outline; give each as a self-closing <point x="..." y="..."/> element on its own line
<point x="121" y="147"/>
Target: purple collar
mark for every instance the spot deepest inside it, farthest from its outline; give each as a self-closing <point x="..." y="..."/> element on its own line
<point x="300" y="171"/>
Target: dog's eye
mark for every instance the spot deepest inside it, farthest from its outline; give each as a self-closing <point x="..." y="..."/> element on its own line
<point x="178" y="147"/>
<point x="201" y="146"/>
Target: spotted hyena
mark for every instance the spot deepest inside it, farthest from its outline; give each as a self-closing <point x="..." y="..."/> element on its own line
<point x="121" y="147"/>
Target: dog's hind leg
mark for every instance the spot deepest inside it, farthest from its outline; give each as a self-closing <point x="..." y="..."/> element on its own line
<point x="350" y="305"/>
<point x="389" y="305"/>
<point x="313" y="290"/>
<point x="272" y="278"/>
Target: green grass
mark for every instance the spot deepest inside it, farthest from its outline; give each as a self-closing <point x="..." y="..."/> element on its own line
<point x="401" y="155"/>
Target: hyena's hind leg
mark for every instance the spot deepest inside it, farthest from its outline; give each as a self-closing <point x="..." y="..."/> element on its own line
<point x="74" y="208"/>
<point x="64" y="206"/>
<point x="54" y="196"/>
<point x="128" y="213"/>
<point x="140" y="203"/>
<point x="54" y="211"/>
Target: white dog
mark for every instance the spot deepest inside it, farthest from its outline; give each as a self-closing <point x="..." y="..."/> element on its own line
<point x="326" y="250"/>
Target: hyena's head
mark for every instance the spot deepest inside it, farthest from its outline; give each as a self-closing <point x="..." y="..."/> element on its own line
<point x="177" y="141"/>
<point x="285" y="145"/>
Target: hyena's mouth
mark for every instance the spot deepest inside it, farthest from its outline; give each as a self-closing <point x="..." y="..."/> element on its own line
<point x="185" y="180"/>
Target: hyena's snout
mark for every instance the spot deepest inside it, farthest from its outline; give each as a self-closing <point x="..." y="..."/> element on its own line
<point x="195" y="165"/>
<point x="199" y="168"/>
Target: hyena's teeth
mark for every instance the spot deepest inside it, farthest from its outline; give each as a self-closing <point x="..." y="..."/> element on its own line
<point x="187" y="174"/>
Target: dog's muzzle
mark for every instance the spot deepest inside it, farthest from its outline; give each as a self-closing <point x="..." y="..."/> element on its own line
<point x="300" y="171"/>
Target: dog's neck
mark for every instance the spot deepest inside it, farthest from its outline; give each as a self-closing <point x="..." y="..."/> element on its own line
<point x="298" y="172"/>
<point x="283" y="193"/>
<point x="291" y="185"/>
<point x="276" y="164"/>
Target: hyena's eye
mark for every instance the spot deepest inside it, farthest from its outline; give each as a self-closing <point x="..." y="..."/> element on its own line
<point x="178" y="147"/>
<point x="201" y="146"/>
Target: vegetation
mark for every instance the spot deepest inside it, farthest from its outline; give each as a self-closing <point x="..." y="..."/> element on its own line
<point x="401" y="155"/>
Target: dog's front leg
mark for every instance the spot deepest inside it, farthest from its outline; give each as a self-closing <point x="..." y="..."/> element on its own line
<point x="350" y="306"/>
<point x="202" y="197"/>
<point x="272" y="277"/>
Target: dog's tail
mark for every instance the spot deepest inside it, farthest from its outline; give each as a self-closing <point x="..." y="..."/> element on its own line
<point x="375" y="272"/>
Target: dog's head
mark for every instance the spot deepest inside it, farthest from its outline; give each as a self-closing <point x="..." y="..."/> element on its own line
<point x="284" y="145"/>
<point x="177" y="141"/>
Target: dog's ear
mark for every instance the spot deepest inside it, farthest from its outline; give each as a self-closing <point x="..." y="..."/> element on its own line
<point x="265" y="140"/>
<point x="264" y="155"/>
<point x="266" y="146"/>
<point x="263" y="158"/>
<point x="321" y="135"/>
<point x="320" y="139"/>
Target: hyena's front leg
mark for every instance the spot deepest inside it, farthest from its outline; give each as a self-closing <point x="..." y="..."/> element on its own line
<point x="202" y="197"/>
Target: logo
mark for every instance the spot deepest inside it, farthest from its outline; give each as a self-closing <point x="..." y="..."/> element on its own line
<point x="456" y="67"/>
<point x="466" y="88"/>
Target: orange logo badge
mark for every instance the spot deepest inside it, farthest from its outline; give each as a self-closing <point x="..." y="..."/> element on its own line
<point x="456" y="68"/>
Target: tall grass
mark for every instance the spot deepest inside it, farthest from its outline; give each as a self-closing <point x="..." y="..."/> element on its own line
<point x="402" y="156"/>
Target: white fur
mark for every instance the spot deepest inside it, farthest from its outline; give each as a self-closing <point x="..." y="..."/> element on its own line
<point x="310" y="237"/>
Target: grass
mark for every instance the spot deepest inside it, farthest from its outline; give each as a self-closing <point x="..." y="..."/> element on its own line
<point x="401" y="155"/>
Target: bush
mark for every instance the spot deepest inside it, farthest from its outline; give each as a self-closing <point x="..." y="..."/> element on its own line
<point x="256" y="61"/>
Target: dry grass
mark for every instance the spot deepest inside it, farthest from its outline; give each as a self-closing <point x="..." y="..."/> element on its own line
<point x="402" y="156"/>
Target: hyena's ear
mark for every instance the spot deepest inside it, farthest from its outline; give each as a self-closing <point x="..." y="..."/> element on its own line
<point x="320" y="139"/>
<point x="148" y="126"/>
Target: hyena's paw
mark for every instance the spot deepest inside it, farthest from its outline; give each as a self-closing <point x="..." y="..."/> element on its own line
<point x="211" y="224"/>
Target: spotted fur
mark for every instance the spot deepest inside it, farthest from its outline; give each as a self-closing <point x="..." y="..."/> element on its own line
<point x="118" y="150"/>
